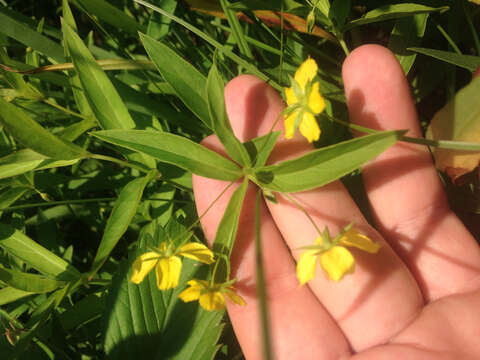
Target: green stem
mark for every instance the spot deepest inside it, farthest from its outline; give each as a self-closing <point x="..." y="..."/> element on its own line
<point x="443" y="144"/>
<point x="55" y="203"/>
<point x="261" y="287"/>
<point x="297" y="204"/>
<point x="205" y="212"/>
<point x="81" y="201"/>
<point x="448" y="38"/>
<point x="342" y="43"/>
<point x="119" y="162"/>
<point x="65" y="110"/>
<point x="281" y="42"/>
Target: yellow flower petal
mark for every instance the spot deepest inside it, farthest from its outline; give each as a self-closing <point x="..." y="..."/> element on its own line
<point x="197" y="251"/>
<point x="212" y="300"/>
<point x="290" y="96"/>
<point x="234" y="297"/>
<point x="290" y="125"/>
<point x="306" y="72"/>
<point x="193" y="292"/>
<point x="306" y="266"/>
<point x="316" y="102"/>
<point x="142" y="266"/>
<point x="168" y="272"/>
<point x="353" y="238"/>
<point x="337" y="262"/>
<point x="309" y="127"/>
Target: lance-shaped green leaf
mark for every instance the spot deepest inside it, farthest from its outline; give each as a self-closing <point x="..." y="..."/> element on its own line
<point x="122" y="213"/>
<point x="9" y="294"/>
<point x="468" y="62"/>
<point x="393" y="11"/>
<point x="32" y="135"/>
<point x="188" y="83"/>
<point x="261" y="147"/>
<point x="221" y="123"/>
<point x="73" y="78"/>
<point x="26" y="160"/>
<point x="227" y="231"/>
<point x="176" y="150"/>
<point x="102" y="96"/>
<point x="29" y="282"/>
<point x="322" y="166"/>
<point x="20" y="245"/>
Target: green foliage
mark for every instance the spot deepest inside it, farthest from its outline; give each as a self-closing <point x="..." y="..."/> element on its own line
<point x="100" y="135"/>
<point x="174" y="149"/>
<point x="220" y="122"/>
<point x="177" y="331"/>
<point x="319" y="167"/>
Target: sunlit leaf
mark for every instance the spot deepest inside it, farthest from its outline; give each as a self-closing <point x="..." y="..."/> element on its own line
<point x="119" y="220"/>
<point x="458" y="120"/>
<point x="324" y="165"/>
<point x="26" y="160"/>
<point x="176" y="150"/>
<point x="188" y="82"/>
<point x="220" y="122"/>
<point x="228" y="227"/>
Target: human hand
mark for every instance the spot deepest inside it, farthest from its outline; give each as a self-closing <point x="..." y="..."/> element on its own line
<point x="418" y="298"/>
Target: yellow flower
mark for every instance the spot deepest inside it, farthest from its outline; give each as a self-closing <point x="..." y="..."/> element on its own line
<point x="210" y="296"/>
<point x="167" y="264"/>
<point x="334" y="258"/>
<point x="304" y="102"/>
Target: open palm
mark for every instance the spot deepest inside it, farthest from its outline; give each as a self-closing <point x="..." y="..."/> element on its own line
<point x="418" y="298"/>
